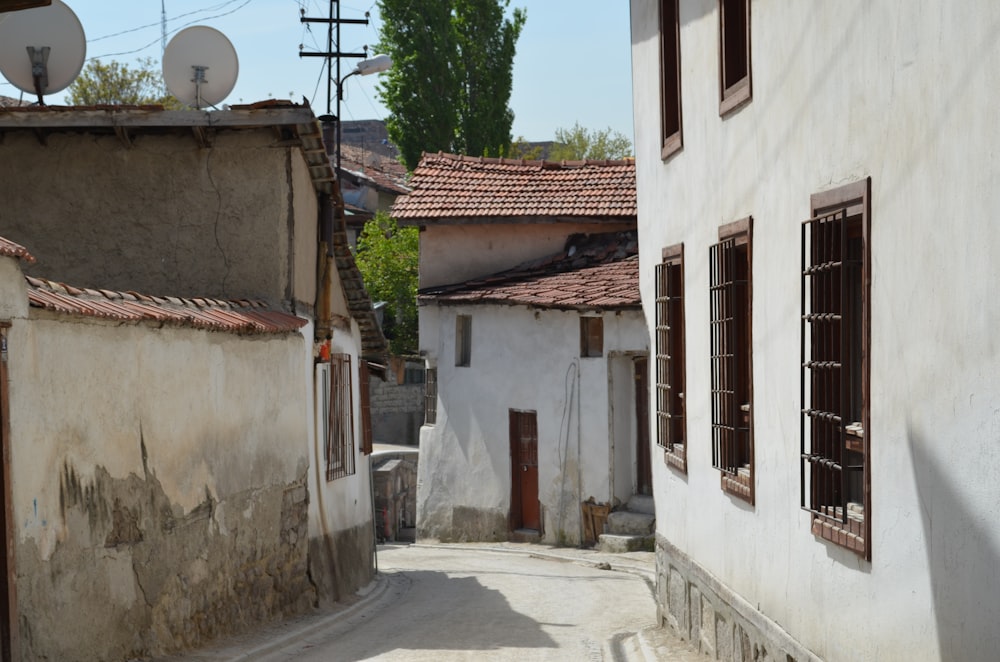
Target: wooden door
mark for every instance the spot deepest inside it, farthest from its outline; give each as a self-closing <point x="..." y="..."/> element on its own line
<point x="525" y="512"/>
<point x="644" y="470"/>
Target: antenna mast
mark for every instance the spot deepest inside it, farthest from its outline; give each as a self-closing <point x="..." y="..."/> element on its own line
<point x="163" y="27"/>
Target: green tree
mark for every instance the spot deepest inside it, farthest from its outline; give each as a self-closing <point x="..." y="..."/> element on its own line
<point x="522" y="149"/>
<point x="579" y="143"/>
<point x="117" y="83"/>
<point x="451" y="79"/>
<point x="387" y="256"/>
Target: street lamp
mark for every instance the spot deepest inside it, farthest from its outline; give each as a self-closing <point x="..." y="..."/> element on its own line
<point x="374" y="65"/>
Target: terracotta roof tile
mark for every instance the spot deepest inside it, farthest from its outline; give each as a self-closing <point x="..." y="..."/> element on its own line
<point x="446" y="186"/>
<point x="210" y="314"/>
<point x="10" y="249"/>
<point x="593" y="271"/>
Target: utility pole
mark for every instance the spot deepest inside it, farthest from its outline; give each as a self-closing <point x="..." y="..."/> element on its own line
<point x="333" y="22"/>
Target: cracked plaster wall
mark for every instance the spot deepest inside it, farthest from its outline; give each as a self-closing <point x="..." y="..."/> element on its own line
<point x="160" y="494"/>
<point x="164" y="217"/>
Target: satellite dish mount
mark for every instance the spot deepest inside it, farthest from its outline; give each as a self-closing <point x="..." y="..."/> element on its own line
<point x="47" y="69"/>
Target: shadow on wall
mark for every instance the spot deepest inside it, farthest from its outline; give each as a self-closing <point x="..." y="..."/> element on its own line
<point x="963" y="558"/>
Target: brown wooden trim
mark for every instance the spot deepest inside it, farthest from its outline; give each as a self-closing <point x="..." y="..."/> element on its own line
<point x="853" y="196"/>
<point x="671" y="116"/>
<point x="9" y="644"/>
<point x="741" y="91"/>
<point x="738" y="230"/>
<point x="673" y="253"/>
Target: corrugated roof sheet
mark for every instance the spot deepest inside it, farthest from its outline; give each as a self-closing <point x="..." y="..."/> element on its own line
<point x="244" y="317"/>
<point x="454" y="188"/>
<point x="593" y="271"/>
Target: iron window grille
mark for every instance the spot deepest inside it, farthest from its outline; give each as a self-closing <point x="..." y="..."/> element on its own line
<point x="835" y="345"/>
<point x="338" y="416"/>
<point x="463" y="340"/>
<point x="670" y="360"/>
<point x="430" y="397"/>
<point x="731" y="359"/>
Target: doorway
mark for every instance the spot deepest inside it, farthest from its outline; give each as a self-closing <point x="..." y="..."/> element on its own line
<point x="524" y="508"/>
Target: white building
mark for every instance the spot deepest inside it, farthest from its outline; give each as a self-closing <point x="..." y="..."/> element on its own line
<point x="532" y="330"/>
<point x="817" y="202"/>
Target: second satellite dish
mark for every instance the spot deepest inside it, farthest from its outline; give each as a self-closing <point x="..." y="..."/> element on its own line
<point x="42" y="49"/>
<point x="200" y="66"/>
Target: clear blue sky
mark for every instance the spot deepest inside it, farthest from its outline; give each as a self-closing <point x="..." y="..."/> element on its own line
<point x="572" y="64"/>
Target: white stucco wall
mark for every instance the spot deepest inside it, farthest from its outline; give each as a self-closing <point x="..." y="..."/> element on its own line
<point x="844" y="90"/>
<point x="527" y="360"/>
<point x="457" y="253"/>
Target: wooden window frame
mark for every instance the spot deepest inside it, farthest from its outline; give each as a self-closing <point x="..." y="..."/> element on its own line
<point x="430" y="396"/>
<point x="731" y="343"/>
<point x="364" y="386"/>
<point x="463" y="341"/>
<point x="591" y="336"/>
<point x="836" y="367"/>
<point x="338" y="410"/>
<point x="671" y="125"/>
<point x="735" y="78"/>
<point x="671" y="422"/>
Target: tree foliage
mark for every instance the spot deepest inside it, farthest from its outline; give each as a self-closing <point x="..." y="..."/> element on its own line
<point x="579" y="143"/>
<point x="451" y="80"/>
<point x="388" y="256"/>
<point x="117" y="83"/>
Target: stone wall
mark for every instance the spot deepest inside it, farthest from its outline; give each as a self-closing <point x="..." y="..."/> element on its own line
<point x="397" y="411"/>
<point x="718" y="622"/>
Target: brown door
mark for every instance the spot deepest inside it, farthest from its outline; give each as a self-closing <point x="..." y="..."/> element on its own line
<point x="644" y="471"/>
<point x="524" y="510"/>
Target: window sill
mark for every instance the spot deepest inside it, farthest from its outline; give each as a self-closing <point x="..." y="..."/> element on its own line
<point x="676" y="457"/>
<point x="740" y="484"/>
<point x="735" y="96"/>
<point x="848" y="534"/>
<point x="671" y="146"/>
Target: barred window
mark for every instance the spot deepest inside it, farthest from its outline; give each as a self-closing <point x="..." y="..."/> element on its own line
<point x="430" y="396"/>
<point x="336" y="415"/>
<point x="670" y="421"/>
<point x="835" y="345"/>
<point x="463" y="340"/>
<point x="731" y="360"/>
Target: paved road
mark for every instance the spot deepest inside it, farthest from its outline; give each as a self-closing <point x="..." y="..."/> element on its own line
<point x="445" y="604"/>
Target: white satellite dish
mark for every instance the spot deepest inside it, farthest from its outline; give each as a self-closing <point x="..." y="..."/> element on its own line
<point x="42" y="50"/>
<point x="200" y="66"/>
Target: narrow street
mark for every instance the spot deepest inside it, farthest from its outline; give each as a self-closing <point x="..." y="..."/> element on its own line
<point x="483" y="602"/>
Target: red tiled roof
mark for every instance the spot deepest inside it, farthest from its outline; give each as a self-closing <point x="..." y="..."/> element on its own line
<point x="450" y="188"/>
<point x="10" y="249"/>
<point x="211" y="314"/>
<point x="594" y="271"/>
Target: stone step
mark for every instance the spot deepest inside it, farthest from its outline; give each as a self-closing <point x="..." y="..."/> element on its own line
<point x="610" y="543"/>
<point x="624" y="522"/>
<point x="640" y="503"/>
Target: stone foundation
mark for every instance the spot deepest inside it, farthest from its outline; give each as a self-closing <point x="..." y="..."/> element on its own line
<point x="341" y="563"/>
<point x="465" y="525"/>
<point x="720" y="624"/>
<point x="133" y="575"/>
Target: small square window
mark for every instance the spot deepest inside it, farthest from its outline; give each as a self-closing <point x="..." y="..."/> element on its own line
<point x="591" y="336"/>
<point x="463" y="340"/>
